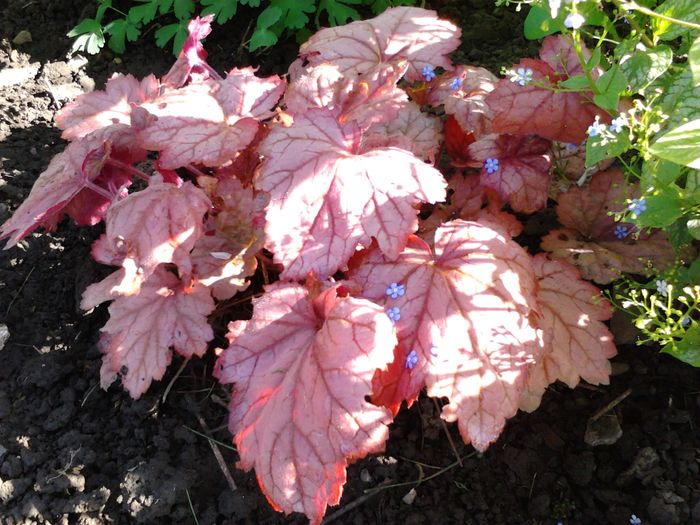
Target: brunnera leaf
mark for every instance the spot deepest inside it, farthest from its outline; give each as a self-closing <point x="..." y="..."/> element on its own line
<point x="577" y="344"/>
<point x="516" y="167"/>
<point x="326" y="197"/>
<point x="301" y="369"/>
<point x="521" y="106"/>
<point x="157" y="225"/>
<point x="593" y="241"/>
<point x="402" y="33"/>
<point x="142" y="329"/>
<point x="462" y="315"/>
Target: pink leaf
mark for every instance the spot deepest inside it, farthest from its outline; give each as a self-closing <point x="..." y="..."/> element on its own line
<point x="325" y="199"/>
<point x="401" y="33"/>
<point x="70" y="175"/>
<point x="591" y="239"/>
<point x="92" y="111"/>
<point x="462" y="316"/>
<point x="142" y="328"/>
<point x="517" y="167"/>
<point x="577" y="344"/>
<point x="412" y="130"/>
<point x="157" y="225"/>
<point x="243" y="94"/>
<point x="301" y="369"/>
<point x="527" y="109"/>
<point x="192" y="58"/>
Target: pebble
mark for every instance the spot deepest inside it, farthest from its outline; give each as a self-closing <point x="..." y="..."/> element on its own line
<point x="605" y="430"/>
<point x="23" y="37"/>
<point x="4" y="335"/>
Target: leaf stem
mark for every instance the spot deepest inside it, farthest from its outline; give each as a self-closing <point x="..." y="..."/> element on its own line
<point x="633" y="6"/>
<point x="584" y="62"/>
<point x="128" y="168"/>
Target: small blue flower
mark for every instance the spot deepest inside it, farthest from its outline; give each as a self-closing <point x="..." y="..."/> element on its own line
<point x="571" y="147"/>
<point x="428" y="73"/>
<point x="574" y="20"/>
<point x="637" y="206"/>
<point x="685" y="321"/>
<point x="491" y="165"/>
<point x="621" y="231"/>
<point x="522" y="76"/>
<point x="394" y="314"/>
<point x="396" y="290"/>
<point x="411" y="359"/>
<point x="595" y="129"/>
<point x="618" y="123"/>
<point x="662" y="287"/>
<point x="634" y="520"/>
<point x="456" y="83"/>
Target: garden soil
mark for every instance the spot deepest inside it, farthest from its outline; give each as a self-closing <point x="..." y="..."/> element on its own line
<point x="73" y="453"/>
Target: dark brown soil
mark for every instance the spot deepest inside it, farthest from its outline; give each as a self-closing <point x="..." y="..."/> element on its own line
<point x="73" y="453"/>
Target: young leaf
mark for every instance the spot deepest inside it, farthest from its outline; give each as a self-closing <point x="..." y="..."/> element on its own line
<point x="142" y="329"/>
<point x="539" y="23"/>
<point x="301" y="369"/>
<point x="610" y="85"/>
<point x="326" y="198"/>
<point x="262" y="38"/>
<point x="144" y="13"/>
<point x="577" y="344"/>
<point x="192" y="58"/>
<point x="688" y="348"/>
<point x="294" y="12"/>
<point x="463" y="320"/>
<point x="687" y="10"/>
<point x="223" y="10"/>
<point x="157" y="225"/>
<point x="99" y="109"/>
<point x="408" y="33"/>
<point x="90" y="36"/>
<point x="517" y="167"/>
<point x="680" y="145"/>
<point x="338" y="11"/>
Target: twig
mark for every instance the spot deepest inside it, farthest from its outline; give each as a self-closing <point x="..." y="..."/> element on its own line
<point x="14" y="297"/>
<point x="194" y="516"/>
<point x="447" y="433"/>
<point x="172" y="381"/>
<point x="217" y="454"/>
<point x="353" y="504"/>
<point x="607" y="408"/>
<point x="220" y="443"/>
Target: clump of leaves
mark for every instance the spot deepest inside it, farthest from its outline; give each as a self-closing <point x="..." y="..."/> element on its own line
<point x="117" y="26"/>
<point x="329" y="170"/>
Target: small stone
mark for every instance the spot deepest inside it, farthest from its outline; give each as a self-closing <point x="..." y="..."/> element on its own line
<point x="23" y="37"/>
<point x="605" y="430"/>
<point x="410" y="497"/>
<point x="365" y="476"/>
<point x="4" y="335"/>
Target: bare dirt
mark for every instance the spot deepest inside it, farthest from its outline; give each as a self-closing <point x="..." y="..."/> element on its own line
<point x="73" y="453"/>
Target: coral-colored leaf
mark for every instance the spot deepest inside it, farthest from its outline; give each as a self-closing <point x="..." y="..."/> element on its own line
<point x="462" y="316"/>
<point x="577" y="344"/>
<point x="209" y="122"/>
<point x="325" y="198"/>
<point x="71" y="174"/>
<point x="157" y="225"/>
<point x="401" y="33"/>
<point x="527" y="109"/>
<point x="142" y="329"/>
<point x="516" y="167"/>
<point x="601" y="248"/>
<point x="92" y="111"/>
<point x="301" y="369"/>
<point x="191" y="62"/>
<point x="456" y="142"/>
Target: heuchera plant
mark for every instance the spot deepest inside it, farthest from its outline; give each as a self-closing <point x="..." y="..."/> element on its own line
<point x="328" y="170"/>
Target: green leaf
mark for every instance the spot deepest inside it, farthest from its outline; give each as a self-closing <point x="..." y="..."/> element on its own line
<point x="600" y="148"/>
<point x="89" y="42"/>
<point x="664" y="207"/>
<point x="87" y="26"/>
<point x="165" y="34"/>
<point x="681" y="99"/>
<point x="610" y="85"/>
<point x="144" y="13"/>
<point x="594" y="59"/>
<point x="694" y="271"/>
<point x="688" y="348"/>
<point x="183" y="10"/>
<point x="643" y="67"/>
<point x="680" y="145"/>
<point x="117" y="31"/>
<point x="166" y="6"/>
<point x="688" y="10"/>
<point x="575" y="82"/>
<point x="693" y="226"/>
<point x="262" y="38"/>
<point x="224" y="10"/>
<point x="102" y="8"/>
<point x="539" y="23"/>
<point x="268" y="17"/>
<point x="658" y="173"/>
<point x="251" y="3"/>
<point x="338" y="12"/>
<point x="678" y="235"/>
<point x="293" y="13"/>
<point x="694" y="61"/>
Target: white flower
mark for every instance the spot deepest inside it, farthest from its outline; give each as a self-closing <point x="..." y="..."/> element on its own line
<point x="662" y="287"/>
<point x="574" y="20"/>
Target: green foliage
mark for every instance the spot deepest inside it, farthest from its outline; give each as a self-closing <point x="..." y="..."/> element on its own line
<point x="645" y="71"/>
<point x="276" y="18"/>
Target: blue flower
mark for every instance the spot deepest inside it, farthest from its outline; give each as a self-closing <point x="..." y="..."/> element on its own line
<point x="621" y="231"/>
<point x="396" y="290"/>
<point x="618" y="123"/>
<point x="456" y="83"/>
<point x="571" y="147"/>
<point x="637" y="206"/>
<point x="428" y="73"/>
<point x="491" y="165"/>
<point x="574" y="20"/>
<point x="394" y="314"/>
<point x="522" y="76"/>
<point x="685" y="321"/>
<point x="595" y="129"/>
<point x="634" y="520"/>
<point x="662" y="287"/>
<point x="411" y="359"/>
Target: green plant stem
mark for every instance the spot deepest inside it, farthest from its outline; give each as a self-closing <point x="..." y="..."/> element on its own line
<point x="584" y="63"/>
<point x="647" y="41"/>
<point x="633" y="6"/>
